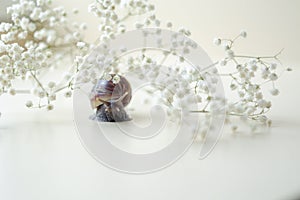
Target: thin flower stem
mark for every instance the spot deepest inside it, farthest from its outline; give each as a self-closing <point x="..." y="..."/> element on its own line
<point x="125" y="17"/>
<point x="231" y="114"/>
<point x="261" y="57"/>
<point x="19" y="91"/>
<point x="164" y="58"/>
<point x="39" y="83"/>
<point x="204" y="108"/>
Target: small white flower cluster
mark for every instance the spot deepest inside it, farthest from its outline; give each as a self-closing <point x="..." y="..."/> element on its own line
<point x="249" y="75"/>
<point x="39" y="35"/>
<point x="112" y="17"/>
<point x="33" y="42"/>
<point x="113" y="14"/>
<point x="114" y="78"/>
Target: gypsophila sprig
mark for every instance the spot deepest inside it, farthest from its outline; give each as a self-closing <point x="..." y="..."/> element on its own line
<point x="113" y="15"/>
<point x="36" y="40"/>
<point x="249" y="75"/>
<point x="40" y="38"/>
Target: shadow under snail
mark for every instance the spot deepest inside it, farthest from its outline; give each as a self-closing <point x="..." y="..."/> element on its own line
<point x="109" y="97"/>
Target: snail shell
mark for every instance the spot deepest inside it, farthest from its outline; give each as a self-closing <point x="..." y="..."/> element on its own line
<point x="115" y="89"/>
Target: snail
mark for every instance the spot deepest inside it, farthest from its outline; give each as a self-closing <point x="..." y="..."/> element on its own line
<point x="109" y="96"/>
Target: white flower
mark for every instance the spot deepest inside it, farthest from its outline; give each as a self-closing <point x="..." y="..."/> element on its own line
<point x="151" y="7"/>
<point x="268" y="104"/>
<point x="31" y="27"/>
<point x="180" y="93"/>
<point x="5" y="82"/>
<point x="152" y="17"/>
<point x="198" y="98"/>
<point x="262" y="103"/>
<point x="234" y="128"/>
<point x="250" y="110"/>
<point x="34" y="91"/>
<point x="186" y="50"/>
<point x="52" y="97"/>
<point x="49" y="107"/>
<point x="254" y="67"/>
<point x="104" y="38"/>
<point x="111" y="35"/>
<point x="226" y="47"/>
<point x="24" y="23"/>
<point x="265" y="72"/>
<point x="223" y="62"/>
<point x="80" y="45"/>
<point x="41" y="94"/>
<point x="230" y="53"/>
<point x="76" y="35"/>
<point x="12" y="91"/>
<point x="259" y="95"/>
<point x="274" y="92"/>
<point x="5" y="27"/>
<point x="217" y="41"/>
<point x="29" y="104"/>
<point x="8" y="70"/>
<point x="51" y="84"/>
<point x="116" y="79"/>
<point x="67" y="76"/>
<point x="83" y="26"/>
<point x="92" y="8"/>
<point x="107" y="77"/>
<point x="39" y="57"/>
<point x="35" y="14"/>
<point x="78" y="59"/>
<point x="157" y="23"/>
<point x="233" y="86"/>
<point x="114" y="17"/>
<point x="253" y="61"/>
<point x="243" y="33"/>
<point x="273" y="77"/>
<point x="4" y="59"/>
<point x="2" y="47"/>
<point x="273" y="66"/>
<point x="68" y="94"/>
<point x="169" y="24"/>
<point x="75" y="11"/>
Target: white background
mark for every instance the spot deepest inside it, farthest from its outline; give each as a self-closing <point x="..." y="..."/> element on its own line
<point x="41" y="156"/>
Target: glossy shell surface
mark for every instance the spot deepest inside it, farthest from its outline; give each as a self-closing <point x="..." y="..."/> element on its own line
<point x="108" y="92"/>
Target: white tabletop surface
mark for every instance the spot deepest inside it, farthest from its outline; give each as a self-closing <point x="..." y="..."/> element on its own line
<point x="41" y="157"/>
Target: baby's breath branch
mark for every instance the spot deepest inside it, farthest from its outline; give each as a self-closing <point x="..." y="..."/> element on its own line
<point x="70" y="85"/>
<point x="19" y="91"/>
<point x="127" y="16"/>
<point x="251" y="104"/>
<point x="251" y="116"/>
<point x="39" y="83"/>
